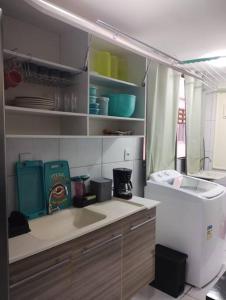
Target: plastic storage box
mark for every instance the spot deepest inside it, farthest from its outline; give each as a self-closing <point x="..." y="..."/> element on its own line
<point x="102" y="188"/>
<point x="170" y="267"/>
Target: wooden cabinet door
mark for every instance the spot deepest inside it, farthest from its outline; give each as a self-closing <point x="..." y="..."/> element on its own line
<point x="48" y="284"/>
<point x="97" y="270"/>
<point x="138" y="253"/>
<point x="43" y="276"/>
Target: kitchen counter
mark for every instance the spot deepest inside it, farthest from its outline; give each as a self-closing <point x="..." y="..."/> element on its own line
<point x="110" y="211"/>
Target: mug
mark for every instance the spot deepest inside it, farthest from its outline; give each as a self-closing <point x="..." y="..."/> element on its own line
<point x="12" y="78"/>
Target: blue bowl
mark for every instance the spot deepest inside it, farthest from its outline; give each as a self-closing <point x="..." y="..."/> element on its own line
<point x="92" y="99"/>
<point x="94" y="105"/>
<point x="94" y="111"/>
<point x="121" y="105"/>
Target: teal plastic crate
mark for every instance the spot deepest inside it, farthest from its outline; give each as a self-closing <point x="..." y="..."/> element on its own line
<point x="57" y="185"/>
<point x="30" y="187"/>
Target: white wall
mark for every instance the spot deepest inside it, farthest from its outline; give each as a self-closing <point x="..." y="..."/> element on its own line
<point x="209" y="121"/>
<point x="94" y="156"/>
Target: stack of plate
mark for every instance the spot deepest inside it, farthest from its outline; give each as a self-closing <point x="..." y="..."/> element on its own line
<point x="35" y="102"/>
<point x="94" y="108"/>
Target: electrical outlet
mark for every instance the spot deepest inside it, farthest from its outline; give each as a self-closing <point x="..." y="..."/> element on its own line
<point x="25" y="156"/>
<point x="127" y="154"/>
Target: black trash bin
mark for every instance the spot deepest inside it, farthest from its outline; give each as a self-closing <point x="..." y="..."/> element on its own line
<point x="170" y="268"/>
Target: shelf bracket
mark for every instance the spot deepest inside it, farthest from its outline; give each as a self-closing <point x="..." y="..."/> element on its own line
<point x="85" y="66"/>
<point x="146" y="73"/>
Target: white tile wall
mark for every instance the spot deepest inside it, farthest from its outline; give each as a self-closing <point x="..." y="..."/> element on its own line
<point x="113" y="150"/>
<point x="107" y="168"/>
<point x="13" y="148"/>
<point x="45" y="150"/>
<point x="81" y="152"/>
<point x="94" y="156"/>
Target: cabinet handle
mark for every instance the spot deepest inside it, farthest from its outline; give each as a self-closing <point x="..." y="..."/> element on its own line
<point x="134" y="227"/>
<point x="36" y="275"/>
<point x="85" y="251"/>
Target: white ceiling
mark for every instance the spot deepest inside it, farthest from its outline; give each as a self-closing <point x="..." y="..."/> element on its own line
<point x="183" y="28"/>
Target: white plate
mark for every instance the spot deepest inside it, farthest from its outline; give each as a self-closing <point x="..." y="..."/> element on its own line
<point x="34" y="103"/>
<point x="38" y="106"/>
<point x="32" y="100"/>
<point x="42" y="98"/>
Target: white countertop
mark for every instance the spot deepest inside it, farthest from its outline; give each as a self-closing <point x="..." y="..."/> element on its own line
<point x="116" y="209"/>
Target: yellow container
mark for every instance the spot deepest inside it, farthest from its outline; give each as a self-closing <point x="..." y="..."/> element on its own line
<point x="102" y="63"/>
<point x="114" y="66"/>
<point x="123" y="69"/>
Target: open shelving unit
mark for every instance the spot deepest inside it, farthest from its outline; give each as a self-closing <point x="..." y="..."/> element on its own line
<point x="63" y="49"/>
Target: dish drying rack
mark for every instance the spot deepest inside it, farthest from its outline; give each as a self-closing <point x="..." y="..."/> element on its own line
<point x="42" y="75"/>
<point x="40" y="71"/>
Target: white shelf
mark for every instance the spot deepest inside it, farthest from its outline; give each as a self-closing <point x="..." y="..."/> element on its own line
<point x="103" y="117"/>
<point x="39" y="61"/>
<point x="22" y="136"/>
<point x="32" y="111"/>
<point x="42" y="136"/>
<point x="116" y="136"/>
<point x="24" y="110"/>
<point x="98" y="79"/>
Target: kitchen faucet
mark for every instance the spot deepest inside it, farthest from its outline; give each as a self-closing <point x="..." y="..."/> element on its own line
<point x="202" y="161"/>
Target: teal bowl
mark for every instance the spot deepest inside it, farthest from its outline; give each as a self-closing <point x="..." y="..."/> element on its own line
<point x="121" y="105"/>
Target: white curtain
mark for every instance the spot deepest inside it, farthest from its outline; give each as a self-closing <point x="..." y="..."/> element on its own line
<point x="194" y="132"/>
<point x="162" y="113"/>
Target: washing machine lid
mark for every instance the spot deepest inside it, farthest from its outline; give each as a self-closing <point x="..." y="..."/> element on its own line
<point x="194" y="186"/>
<point x="165" y="176"/>
<point x="219" y="190"/>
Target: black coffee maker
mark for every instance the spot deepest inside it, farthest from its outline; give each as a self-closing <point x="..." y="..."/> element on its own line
<point x="122" y="183"/>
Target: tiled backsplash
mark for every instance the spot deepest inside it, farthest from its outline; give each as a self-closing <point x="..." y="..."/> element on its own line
<point x="94" y="156"/>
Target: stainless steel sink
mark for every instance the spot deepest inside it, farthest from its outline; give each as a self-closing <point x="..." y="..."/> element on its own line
<point x="63" y="222"/>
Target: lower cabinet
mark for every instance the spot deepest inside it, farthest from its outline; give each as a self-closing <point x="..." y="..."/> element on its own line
<point x="97" y="271"/>
<point x="42" y="277"/>
<point x="111" y="263"/>
<point x="138" y="259"/>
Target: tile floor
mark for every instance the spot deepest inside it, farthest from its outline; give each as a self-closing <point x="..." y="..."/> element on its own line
<point x="190" y="293"/>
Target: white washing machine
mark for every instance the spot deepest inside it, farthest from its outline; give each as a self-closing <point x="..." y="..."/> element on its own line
<point x="190" y="219"/>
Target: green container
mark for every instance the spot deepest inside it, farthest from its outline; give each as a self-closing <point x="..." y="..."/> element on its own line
<point x="121" y="105"/>
<point x="92" y="99"/>
<point x="103" y="63"/>
<point x="114" y="66"/>
<point x="93" y="91"/>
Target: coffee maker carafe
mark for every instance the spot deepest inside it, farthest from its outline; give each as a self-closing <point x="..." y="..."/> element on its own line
<point x="122" y="183"/>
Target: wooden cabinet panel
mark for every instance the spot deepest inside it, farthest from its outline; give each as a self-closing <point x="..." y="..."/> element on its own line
<point x="97" y="237"/>
<point x="38" y="262"/>
<point x="51" y="283"/>
<point x="97" y="269"/>
<point x="44" y="276"/>
<point x="138" y="253"/>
